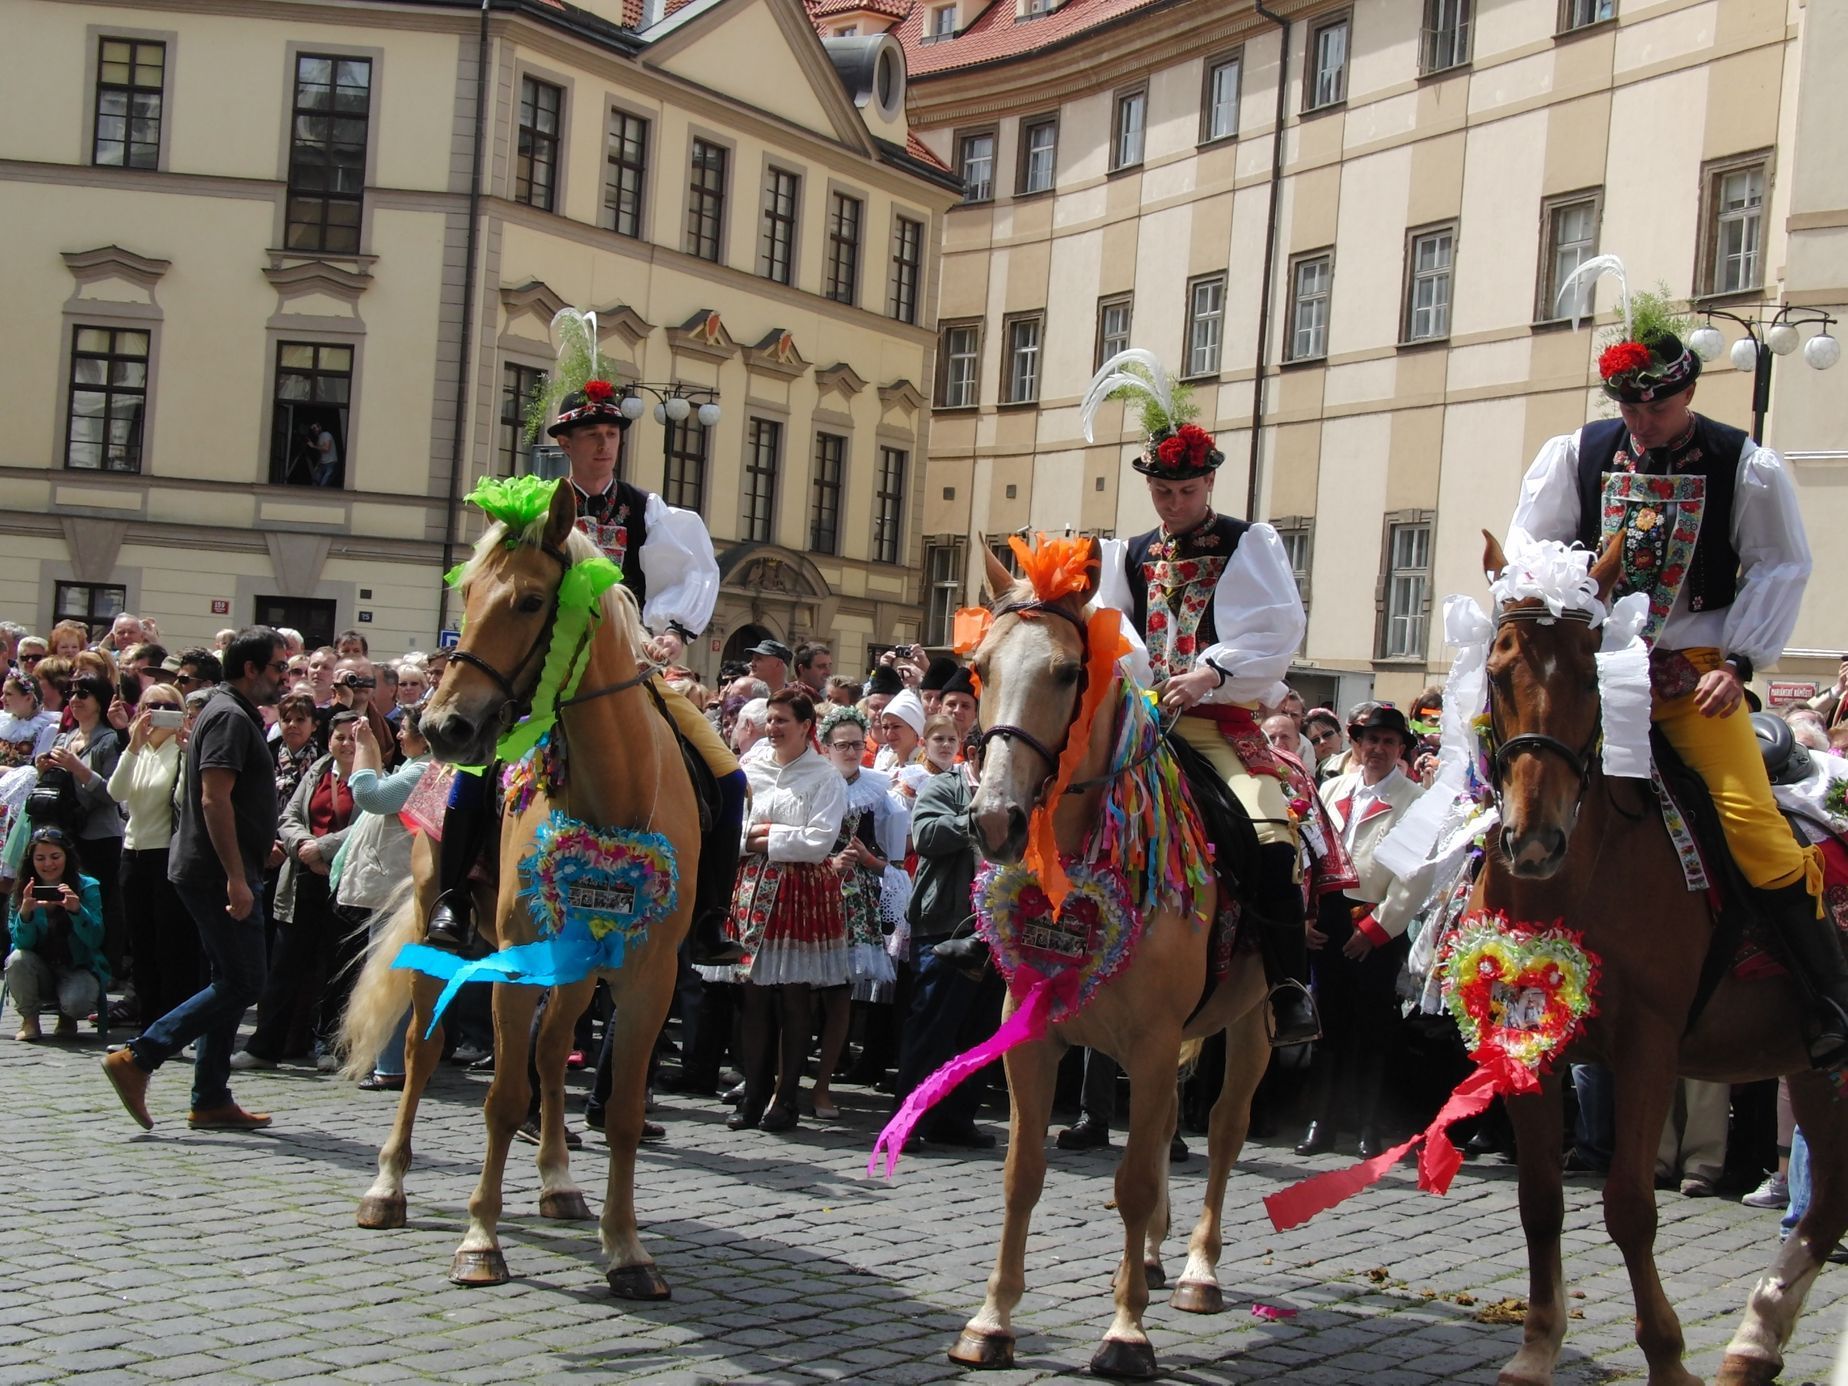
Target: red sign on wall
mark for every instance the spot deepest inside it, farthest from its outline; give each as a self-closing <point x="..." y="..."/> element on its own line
<point x="221" y="606"/>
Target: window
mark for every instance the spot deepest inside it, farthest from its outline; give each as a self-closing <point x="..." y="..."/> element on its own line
<point x="1206" y="316"/>
<point x="1569" y="226"/>
<point x="782" y="193"/>
<point x="1325" y="83"/>
<point x="1113" y="315"/>
<point x="907" y="268"/>
<point x="96" y="604"/>
<point x="1021" y="385"/>
<point x="1428" y="258"/>
<point x="1126" y="128"/>
<point x="131" y="76"/>
<point x="844" y="215"/>
<point x="327" y="153"/>
<point x="960" y="358"/>
<point x="308" y="431"/>
<point x="1297" y="535"/>
<point x="684" y="484"/>
<point x="825" y="515"/>
<point x="1408" y="589"/>
<point x="889" y="506"/>
<point x="520" y="385"/>
<point x="108" y="399"/>
<point x="1039" y="147"/>
<point x="943" y="588"/>
<point x="975" y="161"/>
<point x="1445" y="40"/>
<point x="312" y="616"/>
<point x="627" y="162"/>
<point x="1311" y="279"/>
<point x="760" y="466"/>
<point x="1032" y="8"/>
<point x="706" y="199"/>
<point x="1577" y="14"/>
<point x="940" y="23"/>
<point x="535" y="176"/>
<point x="1733" y="227"/>
<point x="1219" y="99"/>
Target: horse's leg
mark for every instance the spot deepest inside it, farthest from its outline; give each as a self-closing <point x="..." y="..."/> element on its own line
<point x="383" y="1204"/>
<point x="558" y="1196"/>
<point x="1539" y="1128"/>
<point x="641" y="993"/>
<point x="1162" y="1215"/>
<point x="1756" y="1353"/>
<point x="1247" y="1056"/>
<point x="478" y="1260"/>
<point x="988" y="1339"/>
<point x="1126" y="1350"/>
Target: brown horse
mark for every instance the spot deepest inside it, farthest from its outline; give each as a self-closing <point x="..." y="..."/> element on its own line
<point x="1592" y="852"/>
<point x="1029" y="664"/>
<point x="626" y="771"/>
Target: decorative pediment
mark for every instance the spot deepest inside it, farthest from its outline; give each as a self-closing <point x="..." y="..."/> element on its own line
<point x="534" y="299"/>
<point x="842" y="378"/>
<point x="770" y="570"/>
<point x="703" y="335"/>
<point x="299" y="279"/>
<point x="113" y="262"/>
<point x="901" y="395"/>
<point x="776" y="354"/>
<point x="620" y="321"/>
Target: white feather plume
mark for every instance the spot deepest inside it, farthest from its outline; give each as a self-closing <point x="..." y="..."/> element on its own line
<point x="1593" y="270"/>
<point x="1111" y="377"/>
<point x="575" y="331"/>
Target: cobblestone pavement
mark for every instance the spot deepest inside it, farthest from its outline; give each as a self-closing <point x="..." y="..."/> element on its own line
<point x="178" y="1255"/>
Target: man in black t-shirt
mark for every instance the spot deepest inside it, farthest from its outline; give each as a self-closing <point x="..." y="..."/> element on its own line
<point x="223" y="831"/>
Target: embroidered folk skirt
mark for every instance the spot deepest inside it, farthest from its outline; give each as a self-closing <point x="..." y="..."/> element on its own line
<point x="869" y="965"/>
<point x="787" y="917"/>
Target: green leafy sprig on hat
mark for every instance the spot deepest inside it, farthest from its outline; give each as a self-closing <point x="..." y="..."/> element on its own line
<point x="1654" y="314"/>
<point x="1156" y="421"/>
<point x="577" y="362"/>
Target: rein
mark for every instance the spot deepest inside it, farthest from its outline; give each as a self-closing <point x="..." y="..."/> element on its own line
<point x="518" y="704"/>
<point x="1582" y="761"/>
<point x="1007" y="730"/>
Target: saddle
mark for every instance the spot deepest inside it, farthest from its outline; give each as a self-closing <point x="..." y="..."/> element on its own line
<point x="1234" y="842"/>
<point x="705" y="783"/>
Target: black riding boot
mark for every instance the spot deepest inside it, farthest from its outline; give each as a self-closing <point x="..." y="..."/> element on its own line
<point x="1815" y="949"/>
<point x="1277" y="903"/>
<point x="451" y="925"/>
<point x="707" y="945"/>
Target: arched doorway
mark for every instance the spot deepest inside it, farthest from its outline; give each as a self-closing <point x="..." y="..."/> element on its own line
<point x="743" y="639"/>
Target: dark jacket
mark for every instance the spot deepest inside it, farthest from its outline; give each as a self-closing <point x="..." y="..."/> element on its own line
<point x="943" y="836"/>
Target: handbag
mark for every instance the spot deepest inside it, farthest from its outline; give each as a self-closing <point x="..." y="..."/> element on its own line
<point x="53" y="802"/>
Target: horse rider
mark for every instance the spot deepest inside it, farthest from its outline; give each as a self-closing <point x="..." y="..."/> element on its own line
<point x="1214" y="618"/>
<point x="1709" y="527"/>
<point x="668" y="565"/>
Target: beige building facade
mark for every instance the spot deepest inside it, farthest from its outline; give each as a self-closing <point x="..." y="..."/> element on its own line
<point x="1344" y="225"/>
<point x="280" y="277"/>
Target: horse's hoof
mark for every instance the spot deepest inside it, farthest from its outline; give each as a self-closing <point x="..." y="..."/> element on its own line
<point x="566" y="1205"/>
<point x="479" y="1268"/>
<point x="1198" y="1297"/>
<point x="1125" y="1361"/>
<point x="1736" y="1370"/>
<point x="1155" y="1277"/>
<point x="381" y="1211"/>
<point x="983" y="1351"/>
<point x="638" y="1282"/>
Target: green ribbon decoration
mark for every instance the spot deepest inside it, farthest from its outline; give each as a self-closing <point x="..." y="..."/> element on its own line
<point x="580" y="603"/>
<point x="518" y="502"/>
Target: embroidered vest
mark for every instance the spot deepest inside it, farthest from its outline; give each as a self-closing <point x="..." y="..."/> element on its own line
<point x="617" y="523"/>
<point x="1666" y="543"/>
<point x="1171" y="584"/>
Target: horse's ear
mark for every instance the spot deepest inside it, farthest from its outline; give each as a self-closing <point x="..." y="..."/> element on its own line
<point x="996" y="576"/>
<point x="1607" y="566"/>
<point x="1493" y="559"/>
<point x="562" y="517"/>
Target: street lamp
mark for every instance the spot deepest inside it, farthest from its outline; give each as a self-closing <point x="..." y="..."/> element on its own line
<point x="674" y="401"/>
<point x="1770" y="331"/>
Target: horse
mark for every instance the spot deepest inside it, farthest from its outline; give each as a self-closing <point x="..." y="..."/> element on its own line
<point x="626" y="770"/>
<point x="1029" y="664"/>
<point x="1592" y="852"/>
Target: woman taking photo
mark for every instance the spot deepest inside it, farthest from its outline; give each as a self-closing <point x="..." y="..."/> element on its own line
<point x="786" y="910"/>
<point x="57" y="928"/>
<point x="86" y="756"/>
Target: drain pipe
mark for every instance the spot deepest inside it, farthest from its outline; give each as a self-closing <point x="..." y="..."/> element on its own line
<point x="464" y="364"/>
<point x="1270" y="258"/>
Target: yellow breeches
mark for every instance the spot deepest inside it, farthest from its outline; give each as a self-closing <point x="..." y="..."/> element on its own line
<point x="1723" y="751"/>
<point x="700" y="732"/>
<point x="1262" y="795"/>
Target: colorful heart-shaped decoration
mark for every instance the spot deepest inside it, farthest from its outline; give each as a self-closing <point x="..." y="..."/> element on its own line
<point x="1519" y="992"/>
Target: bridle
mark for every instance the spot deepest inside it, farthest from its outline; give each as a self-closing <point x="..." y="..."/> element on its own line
<point x="1007" y="730"/>
<point x="518" y="704"/>
<point x="1582" y="761"/>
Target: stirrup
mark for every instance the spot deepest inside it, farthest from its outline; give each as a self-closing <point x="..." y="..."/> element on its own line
<point x="1307" y="1029"/>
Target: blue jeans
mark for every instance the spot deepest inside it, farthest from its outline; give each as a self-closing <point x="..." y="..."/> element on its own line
<point x="234" y="949"/>
<point x="1596" y="1134"/>
<point x="1799" y="1178"/>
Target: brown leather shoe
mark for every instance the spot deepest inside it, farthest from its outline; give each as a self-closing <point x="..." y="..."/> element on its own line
<point x="131" y="1085"/>
<point x="229" y="1117"/>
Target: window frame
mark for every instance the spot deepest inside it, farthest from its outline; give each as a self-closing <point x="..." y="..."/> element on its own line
<point x="1322" y="24"/>
<point x="964" y="138"/>
<point x="100" y="87"/>
<point x="1384" y="646"/>
<point x="620" y="170"/>
<point x="932" y="31"/>
<point x="1121" y="101"/>
<point x="1408" y="305"/>
<point x="93" y="617"/>
<point x="1713" y="174"/>
<point x="1012" y="375"/>
<point x="1235" y="58"/>
<point x="514" y="449"/>
<point x="1297" y="263"/>
<point x="946" y="588"/>
<point x="1546" y="283"/>
<point x="1191" y="323"/>
<point x="1568" y="25"/>
<point x="946" y="359"/>
<point x="110" y="392"/>
<point x="1459" y="34"/>
<point x="826" y="489"/>
<point x="906" y="282"/>
<point x="528" y="138"/>
<point x="1289" y="527"/>
<point x="278" y="404"/>
<point x="841" y="282"/>
<point x="1029" y="125"/>
<point x="677" y="488"/>
<point x="1102" y="351"/>
<point x="706" y="200"/>
<point x="790" y="223"/>
<point x="889" y="480"/>
<point x="326" y="164"/>
<point x="757" y="491"/>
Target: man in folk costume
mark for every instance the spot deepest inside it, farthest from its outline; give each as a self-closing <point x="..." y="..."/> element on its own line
<point x="1214" y="618"/>
<point x="1709" y="528"/>
<point x="668" y="565"/>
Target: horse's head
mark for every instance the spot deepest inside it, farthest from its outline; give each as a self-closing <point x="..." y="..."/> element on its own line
<point x="1031" y="664"/>
<point x="1544" y="718"/>
<point x="509" y="596"/>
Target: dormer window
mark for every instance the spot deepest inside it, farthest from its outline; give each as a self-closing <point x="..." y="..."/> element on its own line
<point x="1032" y="9"/>
<point x="847" y="31"/>
<point x="940" y="22"/>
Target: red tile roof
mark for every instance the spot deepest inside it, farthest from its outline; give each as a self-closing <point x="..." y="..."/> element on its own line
<point x="829" y="9"/>
<point x="997" y="35"/>
<point x="917" y="149"/>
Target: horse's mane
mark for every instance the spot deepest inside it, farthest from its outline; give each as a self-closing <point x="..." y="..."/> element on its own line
<point x="620" y="611"/>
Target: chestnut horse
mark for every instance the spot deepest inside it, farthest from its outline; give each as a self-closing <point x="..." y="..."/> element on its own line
<point x="626" y="771"/>
<point x="1029" y="665"/>
<point x="1577" y="847"/>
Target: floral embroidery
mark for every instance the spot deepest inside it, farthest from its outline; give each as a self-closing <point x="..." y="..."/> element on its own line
<point x="1658" y="519"/>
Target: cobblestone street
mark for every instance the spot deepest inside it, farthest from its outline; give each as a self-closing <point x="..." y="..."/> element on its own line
<point x="178" y="1255"/>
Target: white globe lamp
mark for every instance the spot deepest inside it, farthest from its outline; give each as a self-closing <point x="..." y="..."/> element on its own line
<point x="1781" y="338"/>
<point x="1822" y="351"/>
<point x="708" y="415"/>
<point x="1706" y="342"/>
<point x="678" y="409"/>
<point x="1745" y="354"/>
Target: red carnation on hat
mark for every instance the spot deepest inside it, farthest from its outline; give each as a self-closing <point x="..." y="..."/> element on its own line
<point x="599" y="391"/>
<point x="1197" y="441"/>
<point x="1622" y="359"/>
<point x="1170" y="451"/>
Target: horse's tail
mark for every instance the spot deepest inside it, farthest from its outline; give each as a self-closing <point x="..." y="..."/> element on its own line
<point x="381" y="993"/>
<point x="1190" y="1055"/>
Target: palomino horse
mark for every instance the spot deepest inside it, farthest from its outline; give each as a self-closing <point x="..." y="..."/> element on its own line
<point x="1593" y="853"/>
<point x="1029" y="665"/>
<point x="626" y="771"/>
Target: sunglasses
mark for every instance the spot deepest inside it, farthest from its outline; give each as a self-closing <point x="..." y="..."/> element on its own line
<point x="161" y="707"/>
<point x="30" y="659"/>
<point x="76" y="693"/>
<point x="281" y="666"/>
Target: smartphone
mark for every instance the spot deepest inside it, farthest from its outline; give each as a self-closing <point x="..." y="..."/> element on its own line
<point x="47" y="895"/>
<point x="130" y="686"/>
<point x="169" y="717"/>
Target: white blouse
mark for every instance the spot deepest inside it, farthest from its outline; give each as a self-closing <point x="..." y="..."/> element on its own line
<point x="679" y="567"/>
<point x="803" y="802"/>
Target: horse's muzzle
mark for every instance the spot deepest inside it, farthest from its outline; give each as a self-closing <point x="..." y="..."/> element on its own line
<point x="457" y="739"/>
<point x="1001" y="827"/>
<point x="1535" y="855"/>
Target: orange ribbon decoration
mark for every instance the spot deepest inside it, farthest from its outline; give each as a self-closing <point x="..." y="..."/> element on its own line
<point x="1055" y="567"/>
<point x="970" y="628"/>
